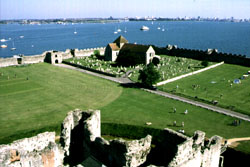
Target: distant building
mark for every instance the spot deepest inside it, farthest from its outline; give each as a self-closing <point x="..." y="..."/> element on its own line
<point x="129" y="53"/>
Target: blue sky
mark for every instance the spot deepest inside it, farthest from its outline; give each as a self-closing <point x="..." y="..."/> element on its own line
<point x="45" y="9"/>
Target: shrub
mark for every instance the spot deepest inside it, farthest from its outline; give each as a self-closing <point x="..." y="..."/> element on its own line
<point x="97" y="52"/>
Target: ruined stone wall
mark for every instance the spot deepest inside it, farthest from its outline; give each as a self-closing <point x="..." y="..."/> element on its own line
<point x="81" y="140"/>
<point x="37" y="151"/>
<point x="33" y="59"/>
<point x="5" y="62"/>
<point x="85" y="125"/>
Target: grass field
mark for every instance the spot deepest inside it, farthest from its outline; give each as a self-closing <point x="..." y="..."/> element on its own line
<point x="214" y="84"/>
<point x="42" y="101"/>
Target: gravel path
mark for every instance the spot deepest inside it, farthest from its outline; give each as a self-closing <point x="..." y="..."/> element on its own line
<point x="168" y="95"/>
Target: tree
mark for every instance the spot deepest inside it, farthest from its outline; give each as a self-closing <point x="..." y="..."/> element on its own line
<point x="156" y="61"/>
<point x="149" y="75"/>
<point x="204" y="63"/>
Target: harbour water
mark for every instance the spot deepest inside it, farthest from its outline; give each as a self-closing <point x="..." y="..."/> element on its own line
<point x="227" y="37"/>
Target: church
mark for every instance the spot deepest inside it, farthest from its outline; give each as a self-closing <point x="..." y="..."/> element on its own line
<point x="124" y="52"/>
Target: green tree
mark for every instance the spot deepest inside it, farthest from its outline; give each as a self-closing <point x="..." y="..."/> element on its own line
<point x="149" y="75"/>
<point x="205" y="63"/>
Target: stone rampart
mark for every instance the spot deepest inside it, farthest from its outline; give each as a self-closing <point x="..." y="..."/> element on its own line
<point x="5" y="62"/>
<point x="209" y="55"/>
<point x="33" y="59"/>
<point x="37" y="151"/>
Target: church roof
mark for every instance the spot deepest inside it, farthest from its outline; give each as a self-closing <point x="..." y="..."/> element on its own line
<point x="121" y="39"/>
<point x="113" y="46"/>
<point x="135" y="48"/>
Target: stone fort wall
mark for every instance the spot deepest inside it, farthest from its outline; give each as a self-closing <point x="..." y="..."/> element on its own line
<point x="209" y="55"/>
<point x="5" y="62"/>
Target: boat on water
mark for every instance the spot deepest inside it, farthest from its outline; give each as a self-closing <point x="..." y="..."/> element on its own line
<point x="21" y="36"/>
<point x="4" y="46"/>
<point x="144" y="28"/>
<point x="125" y="30"/>
<point x="3" y="40"/>
<point x="13" y="47"/>
<point x="75" y="32"/>
<point x="119" y="30"/>
<point x="115" y="32"/>
<point x="159" y="28"/>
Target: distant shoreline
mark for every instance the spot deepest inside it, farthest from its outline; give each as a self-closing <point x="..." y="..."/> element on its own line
<point x="113" y="20"/>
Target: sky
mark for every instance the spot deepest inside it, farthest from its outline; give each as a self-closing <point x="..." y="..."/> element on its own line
<point x="47" y="9"/>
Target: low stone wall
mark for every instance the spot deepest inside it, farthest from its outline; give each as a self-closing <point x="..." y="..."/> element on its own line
<point x="5" y="62"/>
<point x="37" y="151"/>
<point x="189" y="74"/>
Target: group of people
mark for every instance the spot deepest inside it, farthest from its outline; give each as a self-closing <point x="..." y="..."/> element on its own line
<point x="182" y="123"/>
<point x="236" y="122"/>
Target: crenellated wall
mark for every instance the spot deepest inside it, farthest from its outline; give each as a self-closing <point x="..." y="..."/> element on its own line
<point x="209" y="55"/>
<point x="88" y="52"/>
<point x="49" y="56"/>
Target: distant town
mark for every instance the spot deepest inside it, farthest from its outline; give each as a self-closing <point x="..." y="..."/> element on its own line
<point x="112" y="19"/>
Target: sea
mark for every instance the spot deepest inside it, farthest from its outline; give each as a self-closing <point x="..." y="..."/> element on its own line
<point x="227" y="37"/>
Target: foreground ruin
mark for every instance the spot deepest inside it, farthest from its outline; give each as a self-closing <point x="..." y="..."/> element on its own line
<point x="81" y="144"/>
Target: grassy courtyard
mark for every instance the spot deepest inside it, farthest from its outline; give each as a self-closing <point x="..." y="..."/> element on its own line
<point x="40" y="95"/>
<point x="215" y="84"/>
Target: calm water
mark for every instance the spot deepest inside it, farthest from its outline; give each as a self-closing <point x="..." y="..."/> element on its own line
<point x="226" y="37"/>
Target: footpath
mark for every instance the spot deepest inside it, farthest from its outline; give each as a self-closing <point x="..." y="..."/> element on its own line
<point x="125" y="80"/>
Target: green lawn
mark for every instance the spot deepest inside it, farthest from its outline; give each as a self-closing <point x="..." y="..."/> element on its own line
<point x="42" y="101"/>
<point x="214" y="84"/>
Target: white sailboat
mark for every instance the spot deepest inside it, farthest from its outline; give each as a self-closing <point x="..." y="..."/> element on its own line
<point x="119" y="30"/>
<point x="13" y="47"/>
<point x="125" y="29"/>
<point x="75" y="32"/>
<point x="163" y="29"/>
